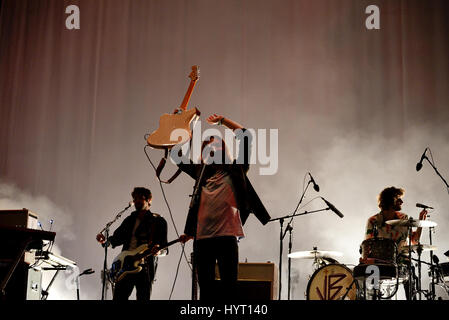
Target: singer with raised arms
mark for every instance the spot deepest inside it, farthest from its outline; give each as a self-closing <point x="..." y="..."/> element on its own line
<point x="390" y="203"/>
<point x="226" y="198"/>
<point x="141" y="227"/>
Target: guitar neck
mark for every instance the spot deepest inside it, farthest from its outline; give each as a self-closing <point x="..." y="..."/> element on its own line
<point x="185" y="102"/>
<point x="147" y="252"/>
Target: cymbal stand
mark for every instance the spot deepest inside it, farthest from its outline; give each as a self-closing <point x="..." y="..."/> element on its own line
<point x="418" y="284"/>
<point x="432" y="269"/>
<point x="410" y="271"/>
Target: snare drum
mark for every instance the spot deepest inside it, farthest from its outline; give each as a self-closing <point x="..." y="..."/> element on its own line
<point x="332" y="282"/>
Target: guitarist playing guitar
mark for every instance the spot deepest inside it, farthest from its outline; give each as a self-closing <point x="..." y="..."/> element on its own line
<point x="140" y="227"/>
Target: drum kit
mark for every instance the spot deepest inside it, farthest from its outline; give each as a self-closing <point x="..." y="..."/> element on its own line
<point x="383" y="266"/>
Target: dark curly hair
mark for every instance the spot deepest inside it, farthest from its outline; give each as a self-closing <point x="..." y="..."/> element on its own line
<point x="387" y="197"/>
<point x="141" y="191"/>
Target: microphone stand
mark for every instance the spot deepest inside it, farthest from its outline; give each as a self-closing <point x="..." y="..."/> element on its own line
<point x="88" y="271"/>
<point x="281" y="220"/>
<point x="106" y="245"/>
<point x="289" y="229"/>
<point x="436" y="170"/>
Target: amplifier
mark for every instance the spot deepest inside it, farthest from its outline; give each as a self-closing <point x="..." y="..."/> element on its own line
<point x="22" y="218"/>
<point x="255" y="281"/>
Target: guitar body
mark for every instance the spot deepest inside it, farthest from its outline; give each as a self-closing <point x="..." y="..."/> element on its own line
<point x="168" y="123"/>
<point x="162" y="137"/>
<point x="127" y="262"/>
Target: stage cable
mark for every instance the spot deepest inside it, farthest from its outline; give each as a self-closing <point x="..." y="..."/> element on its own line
<point x="166" y="202"/>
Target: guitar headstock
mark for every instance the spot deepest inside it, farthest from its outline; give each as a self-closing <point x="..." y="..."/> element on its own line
<point x="195" y="74"/>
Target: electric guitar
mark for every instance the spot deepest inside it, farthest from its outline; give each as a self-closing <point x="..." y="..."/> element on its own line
<point x="161" y="137"/>
<point x="128" y="261"/>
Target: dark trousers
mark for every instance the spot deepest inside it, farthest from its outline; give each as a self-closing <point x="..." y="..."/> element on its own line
<point x="142" y="281"/>
<point x="224" y="251"/>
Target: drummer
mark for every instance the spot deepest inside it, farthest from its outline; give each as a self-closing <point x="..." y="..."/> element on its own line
<point x="390" y="203"/>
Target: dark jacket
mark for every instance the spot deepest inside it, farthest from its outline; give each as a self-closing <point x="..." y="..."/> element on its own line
<point x="247" y="199"/>
<point x="152" y="228"/>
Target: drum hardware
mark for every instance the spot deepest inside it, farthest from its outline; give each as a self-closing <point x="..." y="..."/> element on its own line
<point x="419" y="250"/>
<point x="441" y="271"/>
<point x="410" y="270"/>
<point x="410" y="223"/>
<point x="432" y="269"/>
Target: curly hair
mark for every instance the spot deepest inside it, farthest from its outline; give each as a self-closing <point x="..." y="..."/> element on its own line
<point x="141" y="191"/>
<point x="387" y="197"/>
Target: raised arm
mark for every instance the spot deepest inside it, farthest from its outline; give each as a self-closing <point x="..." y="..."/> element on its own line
<point x="218" y="119"/>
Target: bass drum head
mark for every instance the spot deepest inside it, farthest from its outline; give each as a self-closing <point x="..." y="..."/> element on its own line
<point x="331" y="282"/>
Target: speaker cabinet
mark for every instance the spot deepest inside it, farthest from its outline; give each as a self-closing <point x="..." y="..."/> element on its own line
<point x="255" y="281"/>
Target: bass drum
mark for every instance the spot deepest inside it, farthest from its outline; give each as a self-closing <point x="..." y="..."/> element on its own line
<point x="331" y="282"/>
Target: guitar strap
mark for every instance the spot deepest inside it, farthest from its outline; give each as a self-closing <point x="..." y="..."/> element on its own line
<point x="161" y="166"/>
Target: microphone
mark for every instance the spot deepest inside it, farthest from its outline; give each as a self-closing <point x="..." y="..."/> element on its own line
<point x="131" y="203"/>
<point x="87" y="271"/>
<point x="315" y="186"/>
<point x="332" y="207"/>
<point x="419" y="164"/>
<point x="420" y="205"/>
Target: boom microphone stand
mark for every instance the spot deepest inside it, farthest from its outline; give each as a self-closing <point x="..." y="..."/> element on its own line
<point x="281" y="220"/>
<point x="106" y="245"/>
<point x="436" y="170"/>
<point x="289" y="229"/>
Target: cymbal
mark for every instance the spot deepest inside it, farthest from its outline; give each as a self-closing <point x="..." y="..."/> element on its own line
<point x="314" y="254"/>
<point x="412" y="223"/>
<point x="424" y="247"/>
